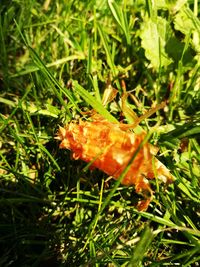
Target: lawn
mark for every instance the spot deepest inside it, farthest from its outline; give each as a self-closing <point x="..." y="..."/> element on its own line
<point x="63" y="60"/>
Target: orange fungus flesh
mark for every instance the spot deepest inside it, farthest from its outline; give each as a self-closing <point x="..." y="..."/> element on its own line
<point x="110" y="149"/>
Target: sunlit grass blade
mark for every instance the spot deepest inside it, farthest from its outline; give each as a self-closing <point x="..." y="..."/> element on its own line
<point x="7" y="120"/>
<point x="108" y="54"/>
<point x="54" y="82"/>
<point x="121" y="18"/>
<point x="93" y="102"/>
<point x="56" y="63"/>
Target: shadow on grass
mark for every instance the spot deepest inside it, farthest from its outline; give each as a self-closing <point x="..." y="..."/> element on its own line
<point x="39" y="222"/>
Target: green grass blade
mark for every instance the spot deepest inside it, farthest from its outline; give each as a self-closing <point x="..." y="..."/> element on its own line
<point x="54" y="82"/>
<point x="141" y="248"/>
<point x="93" y="102"/>
<point x="121" y="18"/>
<point x="108" y="54"/>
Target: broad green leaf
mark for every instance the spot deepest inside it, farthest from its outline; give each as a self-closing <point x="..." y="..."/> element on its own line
<point x="172" y="5"/>
<point x="186" y="22"/>
<point x="175" y="5"/>
<point x="183" y="23"/>
<point x="154" y="35"/>
<point x="179" y="50"/>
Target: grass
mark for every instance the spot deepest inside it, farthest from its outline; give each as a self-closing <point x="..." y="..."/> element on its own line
<point x="57" y="59"/>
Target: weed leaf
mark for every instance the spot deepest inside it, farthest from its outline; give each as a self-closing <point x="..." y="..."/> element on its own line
<point x="154" y="35"/>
